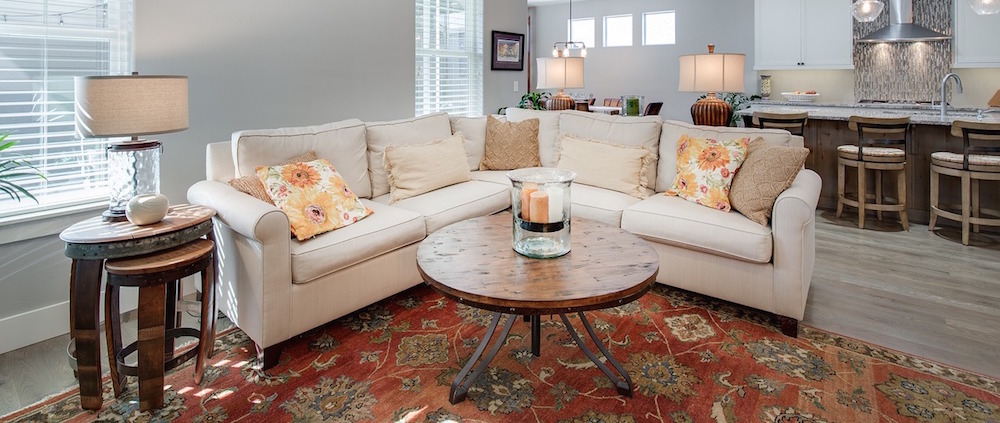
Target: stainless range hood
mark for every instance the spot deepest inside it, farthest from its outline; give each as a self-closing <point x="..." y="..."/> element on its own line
<point x="901" y="27"/>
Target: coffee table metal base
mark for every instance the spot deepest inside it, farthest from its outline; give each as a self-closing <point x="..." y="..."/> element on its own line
<point x="464" y="380"/>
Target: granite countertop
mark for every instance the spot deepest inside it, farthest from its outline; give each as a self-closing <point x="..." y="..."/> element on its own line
<point x="918" y="113"/>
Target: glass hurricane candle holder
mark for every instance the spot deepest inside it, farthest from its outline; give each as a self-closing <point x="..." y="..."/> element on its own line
<point x="540" y="204"/>
<point x="631" y="105"/>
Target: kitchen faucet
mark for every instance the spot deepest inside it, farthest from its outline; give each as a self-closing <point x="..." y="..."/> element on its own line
<point x="944" y="84"/>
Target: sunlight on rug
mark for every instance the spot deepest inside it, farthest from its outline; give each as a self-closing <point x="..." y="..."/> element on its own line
<point x="691" y="358"/>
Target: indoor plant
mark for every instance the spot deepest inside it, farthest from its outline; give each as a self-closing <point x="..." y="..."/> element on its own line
<point x="13" y="168"/>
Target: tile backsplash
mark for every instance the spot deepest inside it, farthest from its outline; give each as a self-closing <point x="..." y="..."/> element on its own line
<point x="908" y="71"/>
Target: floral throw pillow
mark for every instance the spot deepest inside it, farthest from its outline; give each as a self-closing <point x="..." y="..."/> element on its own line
<point x="313" y="196"/>
<point x="705" y="170"/>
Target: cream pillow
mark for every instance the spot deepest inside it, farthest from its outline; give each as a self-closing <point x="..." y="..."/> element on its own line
<point x="416" y="169"/>
<point x="606" y="165"/>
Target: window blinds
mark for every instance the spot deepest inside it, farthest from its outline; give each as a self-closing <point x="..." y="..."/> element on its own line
<point x="43" y="45"/>
<point x="449" y="57"/>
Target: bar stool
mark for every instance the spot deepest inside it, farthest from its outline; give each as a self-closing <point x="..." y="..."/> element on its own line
<point x="970" y="168"/>
<point x="865" y="155"/>
<point x="156" y="276"/>
<point x="791" y="122"/>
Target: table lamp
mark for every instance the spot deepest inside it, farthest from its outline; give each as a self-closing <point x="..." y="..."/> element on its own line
<point x="712" y="73"/>
<point x="560" y="73"/>
<point x="130" y="106"/>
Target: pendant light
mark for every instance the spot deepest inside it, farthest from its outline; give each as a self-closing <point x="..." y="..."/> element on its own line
<point x="985" y="7"/>
<point x="868" y="10"/>
<point x="565" y="48"/>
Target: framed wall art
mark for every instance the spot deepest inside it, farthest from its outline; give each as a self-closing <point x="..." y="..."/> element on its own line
<point x="508" y="51"/>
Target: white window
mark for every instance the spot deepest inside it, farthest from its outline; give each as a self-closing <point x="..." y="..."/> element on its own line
<point x="658" y="28"/>
<point x="449" y="53"/>
<point x="618" y="31"/>
<point x="43" y="45"/>
<point x="581" y="30"/>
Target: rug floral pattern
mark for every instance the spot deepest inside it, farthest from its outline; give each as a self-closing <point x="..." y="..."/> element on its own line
<point x="691" y="358"/>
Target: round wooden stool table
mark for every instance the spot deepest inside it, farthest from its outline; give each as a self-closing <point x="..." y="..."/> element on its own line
<point x="158" y="323"/>
<point x="473" y="263"/>
<point x="92" y="241"/>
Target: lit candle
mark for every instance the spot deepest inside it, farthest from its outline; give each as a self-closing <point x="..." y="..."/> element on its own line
<point x="555" y="204"/>
<point x="526" y="190"/>
<point x="539" y="207"/>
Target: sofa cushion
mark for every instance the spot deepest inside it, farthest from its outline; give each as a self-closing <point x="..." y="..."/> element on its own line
<point x="416" y="169"/>
<point x="413" y="131"/>
<point x="510" y="145"/>
<point x="313" y="195"/>
<point x="767" y="172"/>
<point x="388" y="229"/>
<point x="474" y="130"/>
<point x="666" y="169"/>
<point x="603" y="164"/>
<point x="705" y="170"/>
<point x="252" y="186"/>
<point x="629" y="131"/>
<point x="548" y="130"/>
<point x="454" y="203"/>
<point x="678" y="222"/>
<point x="342" y="143"/>
<point x="602" y="205"/>
<point x="494" y="176"/>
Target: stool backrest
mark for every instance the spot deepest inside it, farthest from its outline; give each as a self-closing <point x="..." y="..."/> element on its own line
<point x="985" y="132"/>
<point x="791" y="122"/>
<point x="874" y="132"/>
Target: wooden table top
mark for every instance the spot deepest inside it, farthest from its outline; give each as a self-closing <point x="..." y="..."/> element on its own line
<point x="95" y="230"/>
<point x="473" y="262"/>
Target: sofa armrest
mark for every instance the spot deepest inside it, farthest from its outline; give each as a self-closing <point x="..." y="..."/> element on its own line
<point x="246" y="215"/>
<point x="254" y="267"/>
<point x="793" y="226"/>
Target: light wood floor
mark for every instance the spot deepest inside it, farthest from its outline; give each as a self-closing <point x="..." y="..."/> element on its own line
<point x="919" y="292"/>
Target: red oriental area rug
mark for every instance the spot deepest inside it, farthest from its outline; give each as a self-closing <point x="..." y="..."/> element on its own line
<point x="691" y="358"/>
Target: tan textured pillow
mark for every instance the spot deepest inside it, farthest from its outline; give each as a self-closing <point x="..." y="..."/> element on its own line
<point x="416" y="169"/>
<point x="251" y="184"/>
<point x="769" y="169"/>
<point x="605" y="165"/>
<point x="510" y="145"/>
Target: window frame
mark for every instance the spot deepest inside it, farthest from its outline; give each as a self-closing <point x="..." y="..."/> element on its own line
<point x="631" y="32"/>
<point x="593" y="31"/>
<point x="428" y="94"/>
<point x="645" y="26"/>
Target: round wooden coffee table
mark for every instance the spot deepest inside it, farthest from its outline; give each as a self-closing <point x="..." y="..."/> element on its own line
<point x="473" y="263"/>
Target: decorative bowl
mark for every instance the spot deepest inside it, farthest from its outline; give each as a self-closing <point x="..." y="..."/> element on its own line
<point x="146" y="209"/>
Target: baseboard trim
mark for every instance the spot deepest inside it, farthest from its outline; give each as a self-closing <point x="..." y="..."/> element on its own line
<point x="21" y="330"/>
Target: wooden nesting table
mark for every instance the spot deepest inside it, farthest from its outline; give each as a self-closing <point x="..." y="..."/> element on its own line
<point x="89" y="243"/>
<point x="473" y="263"/>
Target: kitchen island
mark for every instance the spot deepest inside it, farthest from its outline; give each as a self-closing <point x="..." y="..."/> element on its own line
<point x="827" y="129"/>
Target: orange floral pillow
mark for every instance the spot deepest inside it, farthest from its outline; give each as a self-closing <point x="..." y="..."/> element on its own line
<point x="705" y="170"/>
<point x="313" y="196"/>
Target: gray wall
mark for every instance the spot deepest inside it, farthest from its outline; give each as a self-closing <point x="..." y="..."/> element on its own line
<point x="251" y="64"/>
<point x="651" y="71"/>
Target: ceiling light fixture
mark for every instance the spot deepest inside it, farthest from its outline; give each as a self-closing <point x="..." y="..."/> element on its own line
<point x="564" y="48"/>
<point x="868" y="10"/>
<point x="985" y="7"/>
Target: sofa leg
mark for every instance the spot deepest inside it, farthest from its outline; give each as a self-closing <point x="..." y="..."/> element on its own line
<point x="269" y="356"/>
<point x="789" y="326"/>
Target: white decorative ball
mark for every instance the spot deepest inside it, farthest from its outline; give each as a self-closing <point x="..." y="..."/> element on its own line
<point x="146" y="209"/>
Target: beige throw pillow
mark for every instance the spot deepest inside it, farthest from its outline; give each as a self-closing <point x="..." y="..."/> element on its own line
<point x="769" y="170"/>
<point x="416" y="169"/>
<point x="605" y="165"/>
<point x="510" y="145"/>
<point x="251" y="184"/>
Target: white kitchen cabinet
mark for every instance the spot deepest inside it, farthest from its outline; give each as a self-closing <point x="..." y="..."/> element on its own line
<point x="976" y="36"/>
<point x="803" y="34"/>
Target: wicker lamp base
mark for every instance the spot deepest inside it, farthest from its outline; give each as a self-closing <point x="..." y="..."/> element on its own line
<point x="711" y="111"/>
<point x="560" y="101"/>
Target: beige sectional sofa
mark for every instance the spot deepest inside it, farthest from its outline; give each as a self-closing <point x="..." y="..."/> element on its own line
<point x="274" y="287"/>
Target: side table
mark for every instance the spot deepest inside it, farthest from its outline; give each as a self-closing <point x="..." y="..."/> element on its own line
<point x="92" y="241"/>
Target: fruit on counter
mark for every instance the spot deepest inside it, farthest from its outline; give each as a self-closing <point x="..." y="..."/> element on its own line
<point x="805" y="92"/>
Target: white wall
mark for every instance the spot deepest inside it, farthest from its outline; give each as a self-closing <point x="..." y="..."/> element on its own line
<point x="251" y="64"/>
<point x="651" y="71"/>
